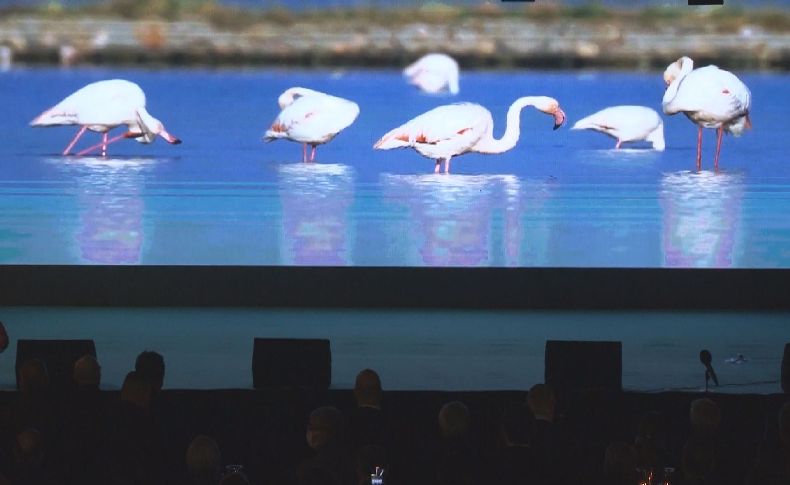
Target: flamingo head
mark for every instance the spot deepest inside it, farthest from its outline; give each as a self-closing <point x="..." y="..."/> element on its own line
<point x="150" y="127"/>
<point x="551" y="106"/>
<point x="674" y="70"/>
<point x="292" y="94"/>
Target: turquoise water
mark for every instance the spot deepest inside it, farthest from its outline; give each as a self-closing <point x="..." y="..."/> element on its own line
<point x="560" y="198"/>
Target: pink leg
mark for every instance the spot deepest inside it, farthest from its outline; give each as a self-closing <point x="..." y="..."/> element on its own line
<point x="438" y="166"/>
<point x="699" y="149"/>
<point x="617" y="146"/>
<point x="312" y="155"/>
<point x="447" y="165"/>
<point x="104" y="143"/>
<point x="304" y="152"/>
<point x="74" y="140"/>
<point x="718" y="148"/>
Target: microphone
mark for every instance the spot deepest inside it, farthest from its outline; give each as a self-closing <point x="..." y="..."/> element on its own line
<point x="706" y="359"/>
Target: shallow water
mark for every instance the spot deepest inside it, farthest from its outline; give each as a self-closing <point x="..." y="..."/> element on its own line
<point x="560" y="198"/>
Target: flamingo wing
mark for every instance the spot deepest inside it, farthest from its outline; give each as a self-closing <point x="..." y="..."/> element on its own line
<point x="109" y="103"/>
<point x="626" y="123"/>
<point x="465" y="121"/>
<point x="715" y="94"/>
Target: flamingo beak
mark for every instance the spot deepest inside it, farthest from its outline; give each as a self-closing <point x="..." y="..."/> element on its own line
<point x="170" y="138"/>
<point x="559" y="117"/>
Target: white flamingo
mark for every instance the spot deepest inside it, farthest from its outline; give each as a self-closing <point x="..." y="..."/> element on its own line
<point x="311" y="118"/>
<point x="626" y="123"/>
<point x="708" y="96"/>
<point x="102" y="106"/>
<point x="455" y="129"/>
<point x="434" y="73"/>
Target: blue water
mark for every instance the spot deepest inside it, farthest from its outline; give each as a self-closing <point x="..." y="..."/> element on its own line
<point x="560" y="198"/>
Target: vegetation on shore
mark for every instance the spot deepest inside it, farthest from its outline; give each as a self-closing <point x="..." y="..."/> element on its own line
<point x="714" y="19"/>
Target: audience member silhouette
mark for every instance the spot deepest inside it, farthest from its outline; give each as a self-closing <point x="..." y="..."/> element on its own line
<point x="133" y="443"/>
<point x="204" y="461"/>
<point x="3" y="338"/>
<point x="365" y="423"/>
<point x="516" y="461"/>
<point x="325" y="439"/>
<point x="34" y="405"/>
<point x="697" y="462"/>
<point x="620" y="464"/>
<point x="772" y="462"/>
<point x="458" y="462"/>
<point x="150" y="366"/>
<point x="705" y="418"/>
<point x="28" y="464"/>
<point x="82" y="416"/>
<point x="651" y="442"/>
<point x="548" y="438"/>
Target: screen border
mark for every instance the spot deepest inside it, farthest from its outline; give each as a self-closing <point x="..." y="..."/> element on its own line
<point x="396" y="287"/>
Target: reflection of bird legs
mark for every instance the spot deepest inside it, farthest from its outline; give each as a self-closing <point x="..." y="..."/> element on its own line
<point x="699" y="149"/>
<point x="105" y="142"/>
<point x="74" y="140"/>
<point x="719" y="133"/>
<point x="438" y="167"/>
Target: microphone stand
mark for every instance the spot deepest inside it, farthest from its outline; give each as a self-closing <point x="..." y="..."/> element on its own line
<point x="707" y="378"/>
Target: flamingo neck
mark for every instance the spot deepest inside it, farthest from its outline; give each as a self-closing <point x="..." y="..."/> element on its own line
<point x="686" y="66"/>
<point x="489" y="144"/>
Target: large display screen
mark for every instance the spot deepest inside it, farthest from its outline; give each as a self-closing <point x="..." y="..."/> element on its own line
<point x="518" y="193"/>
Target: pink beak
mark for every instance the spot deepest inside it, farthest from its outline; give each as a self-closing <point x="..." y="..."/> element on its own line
<point x="170" y="138"/>
<point x="559" y="118"/>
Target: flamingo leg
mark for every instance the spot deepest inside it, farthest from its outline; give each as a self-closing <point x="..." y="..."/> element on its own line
<point x="304" y="152"/>
<point x="438" y="166"/>
<point x="312" y="154"/>
<point x="699" y="149"/>
<point x="617" y="146"/>
<point x="718" y="148"/>
<point x="106" y="142"/>
<point x="447" y="164"/>
<point x="74" y="140"/>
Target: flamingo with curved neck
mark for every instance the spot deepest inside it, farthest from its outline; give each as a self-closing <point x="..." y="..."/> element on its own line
<point x="455" y="129"/>
<point x="710" y="97"/>
<point x="102" y="106"/>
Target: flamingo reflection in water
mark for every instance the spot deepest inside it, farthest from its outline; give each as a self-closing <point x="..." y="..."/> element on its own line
<point x="315" y="201"/>
<point x="461" y="220"/>
<point x="111" y="207"/>
<point x="701" y="219"/>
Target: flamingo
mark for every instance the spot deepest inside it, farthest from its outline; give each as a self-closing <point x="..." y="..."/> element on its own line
<point x="434" y="73"/>
<point x="710" y="97"/>
<point x="626" y="123"/>
<point x="311" y="118"/>
<point x="102" y="106"/>
<point x="455" y="129"/>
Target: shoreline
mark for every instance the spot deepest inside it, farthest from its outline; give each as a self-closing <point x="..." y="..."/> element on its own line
<point x="498" y="43"/>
